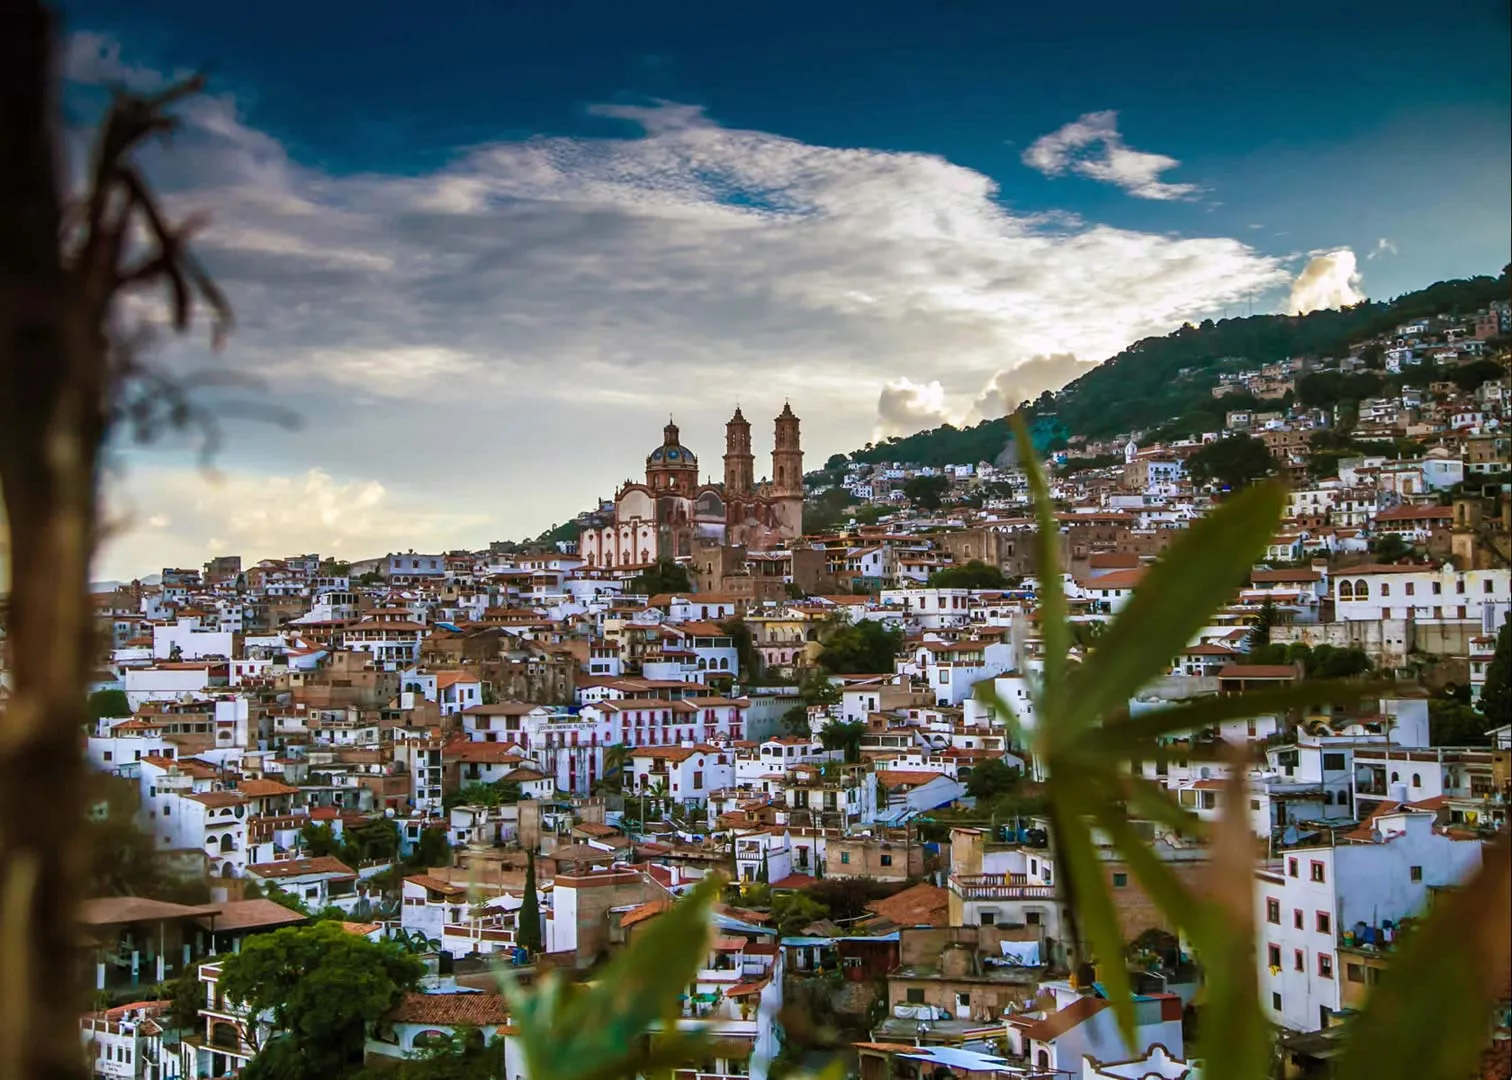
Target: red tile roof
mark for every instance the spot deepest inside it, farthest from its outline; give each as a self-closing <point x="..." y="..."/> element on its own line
<point x="477" y="1010"/>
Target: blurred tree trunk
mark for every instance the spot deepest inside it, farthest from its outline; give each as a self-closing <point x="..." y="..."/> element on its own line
<point x="52" y="420"/>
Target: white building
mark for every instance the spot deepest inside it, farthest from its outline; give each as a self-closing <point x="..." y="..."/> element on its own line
<point x="1423" y="593"/>
<point x="1315" y="899"/>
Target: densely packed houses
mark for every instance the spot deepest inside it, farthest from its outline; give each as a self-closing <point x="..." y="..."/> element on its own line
<point x="412" y="744"/>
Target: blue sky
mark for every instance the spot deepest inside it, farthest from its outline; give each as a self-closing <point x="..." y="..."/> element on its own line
<point x="551" y="224"/>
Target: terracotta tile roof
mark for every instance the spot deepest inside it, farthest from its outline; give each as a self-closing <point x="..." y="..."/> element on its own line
<point x="361" y="929"/>
<point x="250" y="914"/>
<point x="649" y="910"/>
<point x="435" y="884"/>
<point x="918" y="905"/>
<point x="795" y="881"/>
<point x="217" y="800"/>
<point x="909" y="777"/>
<point x="119" y="910"/>
<point x="481" y="753"/>
<point x="451" y="678"/>
<point x="1063" y="1020"/>
<point x="260" y="788"/>
<point x="1258" y="671"/>
<point x="325" y="864"/>
<point x="477" y="1010"/>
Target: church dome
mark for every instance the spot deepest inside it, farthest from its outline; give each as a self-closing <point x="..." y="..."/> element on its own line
<point x="671" y="451"/>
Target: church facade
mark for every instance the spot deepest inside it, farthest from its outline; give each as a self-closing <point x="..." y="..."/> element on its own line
<point x="664" y="517"/>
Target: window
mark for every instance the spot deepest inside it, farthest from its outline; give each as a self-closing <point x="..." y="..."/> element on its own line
<point x="916" y="995"/>
<point x="1459" y="585"/>
<point x="1437" y="588"/>
<point x="1120" y="881"/>
<point x="1291" y="867"/>
<point x="1333" y="762"/>
<point x="1325" y="966"/>
<point x="1299" y="960"/>
<point x="1297" y="918"/>
<point x="887" y="860"/>
<point x="1324" y="924"/>
<point x="845" y="857"/>
<point x="987" y="918"/>
<point x="1317" y="871"/>
<point x="1385" y="588"/>
<point x="1273" y="911"/>
<point x="1415" y="873"/>
<point x="1276" y="1002"/>
<point x="1273" y="955"/>
<point x="1486" y="586"/>
<point x="1411" y="589"/>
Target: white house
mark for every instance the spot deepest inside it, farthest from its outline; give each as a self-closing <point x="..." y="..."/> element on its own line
<point x="1315" y="899"/>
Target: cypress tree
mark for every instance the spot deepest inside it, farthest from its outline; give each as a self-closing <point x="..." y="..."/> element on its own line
<point x="528" y="933"/>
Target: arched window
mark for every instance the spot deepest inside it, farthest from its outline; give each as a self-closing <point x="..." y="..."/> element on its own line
<point x="1396" y="778"/>
<point x="226" y="844"/>
<point x="1417" y="780"/>
<point x="1346" y="591"/>
<point x="1362" y="589"/>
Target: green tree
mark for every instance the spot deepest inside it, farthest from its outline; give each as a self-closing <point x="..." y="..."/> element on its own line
<point x="1231" y="463"/>
<point x="973" y="575"/>
<point x="792" y="911"/>
<point x="319" y="840"/>
<point x="1259" y="634"/>
<point x="866" y="647"/>
<point x="843" y="736"/>
<point x="1453" y="723"/>
<point x="745" y="648"/>
<point x="927" y="492"/>
<point x="375" y="840"/>
<point x="528" y="921"/>
<point x="323" y="987"/>
<point x="666" y="576"/>
<point x="431" y="849"/>
<point x="104" y="703"/>
<point x="1390" y="548"/>
<point x="992" y="778"/>
<point x="795" y="721"/>
<point x="1496" y="694"/>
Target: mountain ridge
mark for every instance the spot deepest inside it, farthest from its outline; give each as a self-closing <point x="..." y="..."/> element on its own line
<point x="1160" y="380"/>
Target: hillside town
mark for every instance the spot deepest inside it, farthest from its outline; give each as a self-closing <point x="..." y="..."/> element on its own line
<point x="822" y="686"/>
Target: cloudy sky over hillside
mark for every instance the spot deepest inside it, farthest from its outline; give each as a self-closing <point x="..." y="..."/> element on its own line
<point x="482" y="260"/>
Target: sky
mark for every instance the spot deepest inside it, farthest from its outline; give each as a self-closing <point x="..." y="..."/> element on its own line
<point x="477" y="258"/>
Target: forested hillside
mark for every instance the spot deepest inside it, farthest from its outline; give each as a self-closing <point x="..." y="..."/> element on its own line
<point x="1163" y="379"/>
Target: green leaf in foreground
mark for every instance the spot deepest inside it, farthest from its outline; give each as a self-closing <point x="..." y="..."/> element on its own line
<point x="1197" y="573"/>
<point x="1430" y="1014"/>
<point x="603" y="1030"/>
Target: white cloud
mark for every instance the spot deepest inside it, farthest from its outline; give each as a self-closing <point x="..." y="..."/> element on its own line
<point x="1009" y="389"/>
<point x="260" y="516"/>
<point x="1329" y="280"/>
<point x="1091" y="146"/>
<point x="1383" y="246"/>
<point x="905" y="406"/>
<point x="510" y="330"/>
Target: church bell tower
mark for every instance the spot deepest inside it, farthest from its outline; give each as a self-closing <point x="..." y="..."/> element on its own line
<point x="739" y="463"/>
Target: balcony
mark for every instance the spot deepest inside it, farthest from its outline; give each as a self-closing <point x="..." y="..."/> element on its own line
<point x="1000" y="887"/>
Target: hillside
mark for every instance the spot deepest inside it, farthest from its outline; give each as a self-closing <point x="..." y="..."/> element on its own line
<point x="1163" y="379"/>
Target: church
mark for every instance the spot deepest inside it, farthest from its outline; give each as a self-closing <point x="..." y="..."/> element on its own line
<point x="667" y="515"/>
